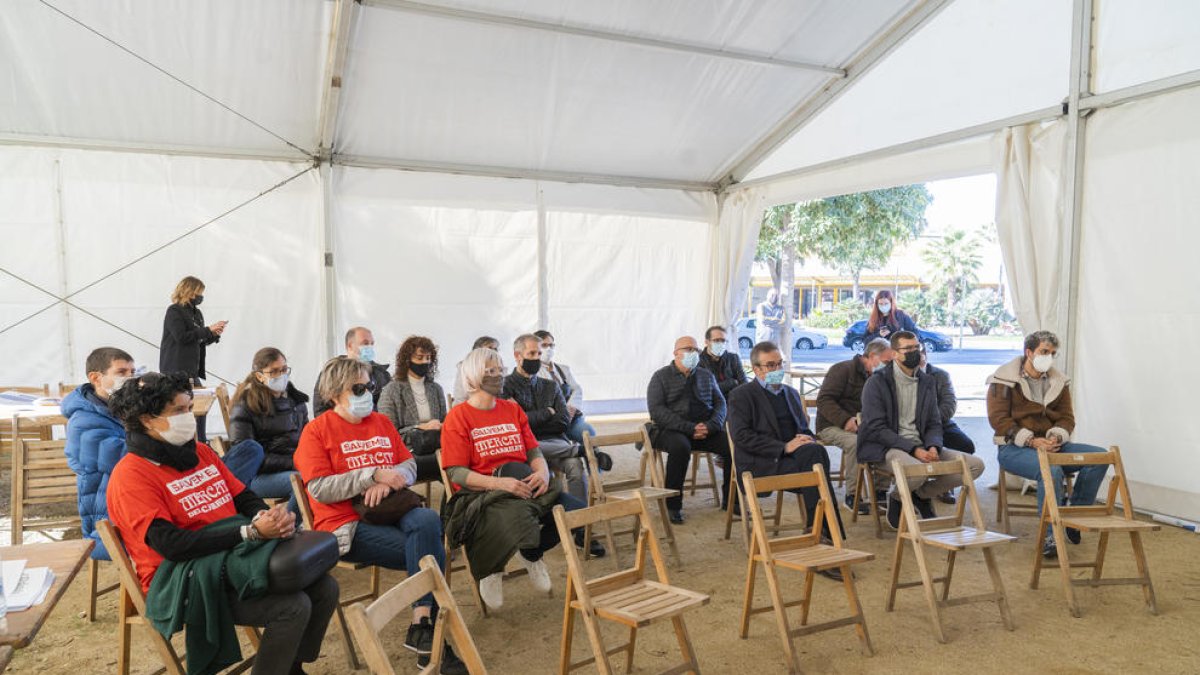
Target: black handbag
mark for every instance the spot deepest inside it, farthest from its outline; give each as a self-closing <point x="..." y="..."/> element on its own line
<point x="390" y="509"/>
<point x="300" y="560"/>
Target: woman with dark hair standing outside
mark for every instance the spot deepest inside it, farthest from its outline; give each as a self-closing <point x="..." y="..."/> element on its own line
<point x="416" y="404"/>
<point x="269" y="409"/>
<point x="185" y="336"/>
<point x="886" y="318"/>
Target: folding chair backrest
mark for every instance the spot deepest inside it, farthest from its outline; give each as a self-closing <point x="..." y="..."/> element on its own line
<point x="788" y="481"/>
<point x="222" y="394"/>
<point x="1118" y="483"/>
<point x="566" y="521"/>
<point x="592" y="443"/>
<point x="301" y="494"/>
<point x="969" y="496"/>
<point x="41" y="475"/>
<point x="43" y="390"/>
<point x="449" y="486"/>
<point x="219" y="446"/>
<point x="64" y="389"/>
<point x="116" y="550"/>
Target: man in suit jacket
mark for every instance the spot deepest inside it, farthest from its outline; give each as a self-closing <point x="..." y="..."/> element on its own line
<point x="770" y="430"/>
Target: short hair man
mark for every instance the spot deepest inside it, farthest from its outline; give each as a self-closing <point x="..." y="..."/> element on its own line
<point x="96" y="439"/>
<point x="560" y="374"/>
<point x="770" y="433"/>
<point x="549" y="420"/>
<point x="901" y="422"/>
<point x="953" y="436"/>
<point x="360" y="344"/>
<point x="839" y="402"/>
<point x="688" y="412"/>
<point x="1029" y="408"/>
<point x="723" y="362"/>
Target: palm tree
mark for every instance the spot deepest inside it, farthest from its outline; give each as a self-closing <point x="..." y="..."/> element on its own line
<point x="954" y="259"/>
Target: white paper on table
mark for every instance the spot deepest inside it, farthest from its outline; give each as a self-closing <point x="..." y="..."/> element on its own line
<point x="31" y="590"/>
<point x="10" y="572"/>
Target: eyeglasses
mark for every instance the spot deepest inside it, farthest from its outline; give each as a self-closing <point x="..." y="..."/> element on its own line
<point x="360" y="389"/>
<point x="908" y="350"/>
<point x="771" y="365"/>
<point x="286" y="370"/>
<point x="687" y="350"/>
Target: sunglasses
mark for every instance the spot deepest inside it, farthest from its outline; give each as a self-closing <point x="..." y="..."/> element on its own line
<point x="360" y="389"/>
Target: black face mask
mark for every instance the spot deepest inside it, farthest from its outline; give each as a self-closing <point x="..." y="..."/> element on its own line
<point x="912" y="360"/>
<point x="531" y="366"/>
<point x="419" y="369"/>
<point x="197" y="300"/>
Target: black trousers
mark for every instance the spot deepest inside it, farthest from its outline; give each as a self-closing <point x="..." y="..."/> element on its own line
<point x="804" y="459"/>
<point x="294" y="624"/>
<point x="954" y="438"/>
<point x="679" y="448"/>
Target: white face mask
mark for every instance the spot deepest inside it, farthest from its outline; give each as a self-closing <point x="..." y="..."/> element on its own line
<point x="278" y="384"/>
<point x="118" y="381"/>
<point x="181" y="430"/>
<point x="885" y="307"/>
<point x="361" y="406"/>
<point x="718" y="348"/>
<point x="547" y="354"/>
<point x="1043" y="362"/>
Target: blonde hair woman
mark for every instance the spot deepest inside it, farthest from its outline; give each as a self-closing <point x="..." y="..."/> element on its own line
<point x="185" y="336"/>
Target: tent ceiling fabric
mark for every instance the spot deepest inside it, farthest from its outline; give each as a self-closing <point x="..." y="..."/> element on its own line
<point x="246" y="78"/>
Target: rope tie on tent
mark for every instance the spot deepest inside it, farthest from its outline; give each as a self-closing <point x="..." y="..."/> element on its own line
<point x="66" y="299"/>
<point x="180" y="80"/>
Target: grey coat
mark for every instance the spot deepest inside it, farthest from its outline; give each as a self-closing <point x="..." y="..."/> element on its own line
<point x="398" y="405"/>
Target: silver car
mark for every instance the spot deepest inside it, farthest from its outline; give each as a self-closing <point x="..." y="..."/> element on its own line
<point x="802" y="339"/>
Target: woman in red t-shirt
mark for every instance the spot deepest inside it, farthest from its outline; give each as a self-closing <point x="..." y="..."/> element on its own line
<point x="481" y="436"/>
<point x="168" y="488"/>
<point x="350" y="451"/>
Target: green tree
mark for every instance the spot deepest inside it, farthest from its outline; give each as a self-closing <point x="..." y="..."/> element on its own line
<point x="955" y="261"/>
<point x="777" y="247"/>
<point x="984" y="310"/>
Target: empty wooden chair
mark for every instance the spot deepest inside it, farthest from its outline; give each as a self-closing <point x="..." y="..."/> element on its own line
<point x="627" y="597"/>
<point x="802" y="553"/>
<point x="869" y="474"/>
<point x="367" y="620"/>
<point x="949" y="534"/>
<point x="1006" y="510"/>
<point x="735" y="498"/>
<point x="1103" y="519"/>
<point x="601" y="491"/>
<point x="132" y="612"/>
<point x="306" y="517"/>
<point x="41" y="476"/>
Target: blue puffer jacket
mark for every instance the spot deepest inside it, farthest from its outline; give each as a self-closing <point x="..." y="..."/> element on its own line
<point x="95" y="443"/>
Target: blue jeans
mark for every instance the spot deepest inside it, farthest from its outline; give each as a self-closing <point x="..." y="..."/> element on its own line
<point x="244" y="459"/>
<point x="549" y="536"/>
<point x="578" y="426"/>
<point x="1023" y="462"/>
<point x="401" y="546"/>
<point x="275" y="486"/>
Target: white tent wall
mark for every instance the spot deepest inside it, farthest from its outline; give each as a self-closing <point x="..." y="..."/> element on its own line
<point x="1142" y="40"/>
<point x="117" y="207"/>
<point x="1138" y="311"/>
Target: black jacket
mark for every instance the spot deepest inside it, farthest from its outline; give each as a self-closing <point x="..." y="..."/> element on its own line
<point x="278" y="432"/>
<point x="727" y="370"/>
<point x="898" y="321"/>
<point x="536" y="397"/>
<point x="947" y="400"/>
<point x="754" y="430"/>
<point x="183" y="341"/>
<point x="379" y="375"/>
<point x="880" y="428"/>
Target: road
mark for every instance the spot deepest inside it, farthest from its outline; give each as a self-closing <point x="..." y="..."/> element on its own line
<point x="973" y="357"/>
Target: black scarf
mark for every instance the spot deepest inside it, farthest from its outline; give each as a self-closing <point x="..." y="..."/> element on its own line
<point x="178" y="457"/>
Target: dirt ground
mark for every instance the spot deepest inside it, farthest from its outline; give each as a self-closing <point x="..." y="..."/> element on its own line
<point x="1115" y="635"/>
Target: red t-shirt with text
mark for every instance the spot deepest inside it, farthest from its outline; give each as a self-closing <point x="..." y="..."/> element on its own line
<point x="482" y="440"/>
<point x="329" y="445"/>
<point x="141" y="491"/>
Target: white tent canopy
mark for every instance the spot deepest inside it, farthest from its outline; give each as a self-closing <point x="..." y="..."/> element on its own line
<point x="462" y="167"/>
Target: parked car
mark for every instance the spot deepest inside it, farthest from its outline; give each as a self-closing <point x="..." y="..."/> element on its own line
<point x="933" y="340"/>
<point x="802" y="339"/>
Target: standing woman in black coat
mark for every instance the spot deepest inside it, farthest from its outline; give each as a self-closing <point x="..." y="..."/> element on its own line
<point x="185" y="336"/>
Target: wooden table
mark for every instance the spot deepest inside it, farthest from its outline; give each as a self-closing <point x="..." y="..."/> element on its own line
<point x="65" y="558"/>
<point x="807" y="380"/>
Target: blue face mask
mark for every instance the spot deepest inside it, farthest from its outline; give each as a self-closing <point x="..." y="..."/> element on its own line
<point x="361" y="406"/>
<point x="366" y="353"/>
<point x="691" y="360"/>
<point x="717" y="348"/>
<point x="774" y="377"/>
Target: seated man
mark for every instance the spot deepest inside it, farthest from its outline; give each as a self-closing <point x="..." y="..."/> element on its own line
<point x="722" y="362"/>
<point x="900" y="421"/>
<point x="95" y="438"/>
<point x="688" y="413"/>
<point x="360" y="344"/>
<point x="839" y="403"/>
<point x="1029" y="408"/>
<point x="460" y="392"/>
<point x="769" y="429"/>
<point x="952" y="436"/>
<point x="548" y="419"/>
<point x="561" y="375"/>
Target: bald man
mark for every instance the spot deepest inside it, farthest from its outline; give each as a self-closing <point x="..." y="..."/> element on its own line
<point x="688" y="414"/>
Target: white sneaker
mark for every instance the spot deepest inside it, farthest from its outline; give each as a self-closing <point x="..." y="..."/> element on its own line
<point x="539" y="576"/>
<point x="491" y="589"/>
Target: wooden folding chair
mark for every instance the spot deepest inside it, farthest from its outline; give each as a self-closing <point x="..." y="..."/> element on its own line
<point x="690" y="484"/>
<point x="94" y="589"/>
<point x="626" y="597"/>
<point x="947" y="533"/>
<point x="735" y="498"/>
<point x="221" y="393"/>
<point x="868" y="475"/>
<point x="132" y="612"/>
<point x="41" y="476"/>
<point x="1096" y="518"/>
<point x="43" y="390"/>
<point x="367" y="620"/>
<point x="1006" y="510"/>
<point x="601" y="491"/>
<point x="64" y="389"/>
<point x="803" y="553"/>
<point x="306" y="517"/>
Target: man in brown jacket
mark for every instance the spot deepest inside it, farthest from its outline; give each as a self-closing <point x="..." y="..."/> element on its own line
<point x="839" y="403"/>
<point x="1029" y="408"/>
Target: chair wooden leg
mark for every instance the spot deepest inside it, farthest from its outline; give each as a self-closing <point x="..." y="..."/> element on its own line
<point x="874" y="504"/>
<point x="1139" y="556"/>
<point x="597" y="640"/>
<point x="748" y="597"/>
<point x="1064" y="564"/>
<point x="685" y="646"/>
<point x="375" y="582"/>
<point x="950" y="555"/>
<point x="930" y="593"/>
<point x="93" y="584"/>
<point x="1038" y="543"/>
<point x="1101" y="550"/>
<point x="860" y="625"/>
<point x="897" y="558"/>
<point x="1002" y="502"/>
<point x="712" y="474"/>
<point x="781" y="622"/>
<point x="989" y="556"/>
<point x="339" y="617"/>
<point x="806" y="604"/>
<point x="858" y="490"/>
<point x="568" y="634"/>
<point x="629" y="651"/>
<point x="124" y="631"/>
<point x="611" y="539"/>
<point x="695" y="474"/>
<point x="732" y="503"/>
<point x="668" y="530"/>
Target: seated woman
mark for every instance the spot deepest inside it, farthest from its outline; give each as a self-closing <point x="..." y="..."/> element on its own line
<point x="168" y="488"/>
<point x="271" y="410"/>
<point x="416" y="404"/>
<point x="350" y="451"/>
<point x="489" y="449"/>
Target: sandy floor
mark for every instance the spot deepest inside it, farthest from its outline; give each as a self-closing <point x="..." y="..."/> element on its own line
<point x="1115" y="635"/>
